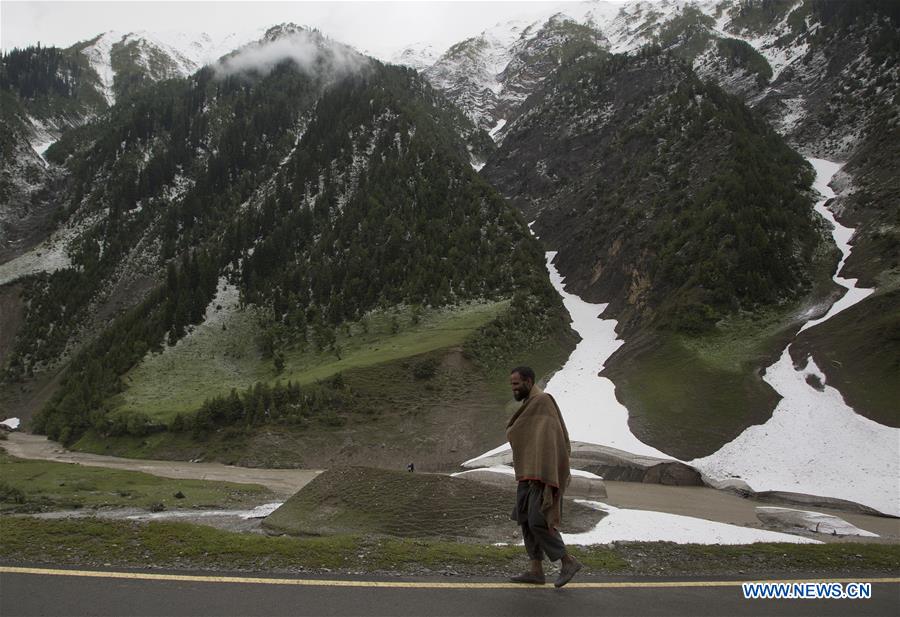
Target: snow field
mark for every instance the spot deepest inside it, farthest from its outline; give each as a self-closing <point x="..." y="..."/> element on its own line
<point x="588" y="402"/>
<point x="814" y="442"/>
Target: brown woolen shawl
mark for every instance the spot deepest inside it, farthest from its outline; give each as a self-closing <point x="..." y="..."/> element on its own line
<point x="541" y="448"/>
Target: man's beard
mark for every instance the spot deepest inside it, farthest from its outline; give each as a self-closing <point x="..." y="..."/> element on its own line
<point x="520" y="395"/>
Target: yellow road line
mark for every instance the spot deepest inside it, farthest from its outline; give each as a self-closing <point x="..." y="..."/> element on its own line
<point x="407" y="584"/>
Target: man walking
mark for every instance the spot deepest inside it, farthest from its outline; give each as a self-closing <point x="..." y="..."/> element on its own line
<point x="540" y="446"/>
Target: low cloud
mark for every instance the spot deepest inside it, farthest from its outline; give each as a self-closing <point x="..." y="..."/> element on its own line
<point x="311" y="52"/>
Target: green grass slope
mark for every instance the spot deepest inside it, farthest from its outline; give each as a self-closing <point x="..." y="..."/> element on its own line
<point x="859" y="352"/>
<point x="390" y="404"/>
<point x="689" y="395"/>
<point x="214" y="359"/>
<point x="183" y="546"/>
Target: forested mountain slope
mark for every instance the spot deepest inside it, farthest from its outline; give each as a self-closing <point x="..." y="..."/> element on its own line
<point x="43" y="92"/>
<point x="323" y="187"/>
<point x="671" y="200"/>
<point x="321" y="199"/>
<point x="824" y="73"/>
<point x="692" y="217"/>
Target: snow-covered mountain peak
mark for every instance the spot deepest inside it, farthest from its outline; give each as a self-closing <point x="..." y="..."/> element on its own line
<point x="99" y="54"/>
<point x="160" y="55"/>
<point x="417" y="56"/>
<point x="308" y="48"/>
<point x="287" y="29"/>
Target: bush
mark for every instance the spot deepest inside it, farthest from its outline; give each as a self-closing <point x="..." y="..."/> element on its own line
<point x="425" y="369"/>
<point x="10" y="494"/>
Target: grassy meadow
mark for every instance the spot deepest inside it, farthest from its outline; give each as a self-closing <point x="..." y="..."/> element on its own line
<point x="690" y="395"/>
<point x="224" y="354"/>
<point x="30" y="485"/>
<point x="410" y="391"/>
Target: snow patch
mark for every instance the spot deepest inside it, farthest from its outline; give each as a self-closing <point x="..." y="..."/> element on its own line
<point x="505" y="470"/>
<point x="188" y="51"/>
<point x="509" y="471"/>
<point x="841" y="454"/>
<point x="11" y="423"/>
<point x="99" y="56"/>
<point x="777" y="54"/>
<point x="645" y="526"/>
<point x="587" y="401"/>
<point x="825" y="170"/>
<point x="814" y="443"/>
<point x="43" y="136"/>
<point x="494" y="132"/>
<point x="418" y="56"/>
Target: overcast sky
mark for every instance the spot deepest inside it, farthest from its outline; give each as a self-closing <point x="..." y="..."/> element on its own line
<point x="376" y="27"/>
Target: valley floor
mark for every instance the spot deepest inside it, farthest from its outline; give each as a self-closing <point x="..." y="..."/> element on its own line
<point x="700" y="504"/>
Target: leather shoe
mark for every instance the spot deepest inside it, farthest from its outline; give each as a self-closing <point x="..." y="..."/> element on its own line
<point x="567" y="572"/>
<point x="529" y="578"/>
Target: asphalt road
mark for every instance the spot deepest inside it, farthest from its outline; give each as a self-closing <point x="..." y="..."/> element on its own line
<point x="120" y="594"/>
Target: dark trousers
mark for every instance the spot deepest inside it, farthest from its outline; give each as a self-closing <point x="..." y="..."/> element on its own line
<point x="540" y="539"/>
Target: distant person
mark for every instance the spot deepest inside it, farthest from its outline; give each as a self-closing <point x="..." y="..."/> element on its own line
<point x="410" y="468"/>
<point x="540" y="447"/>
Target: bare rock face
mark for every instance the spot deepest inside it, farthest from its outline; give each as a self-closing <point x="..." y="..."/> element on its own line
<point x="673" y="474"/>
<point x="586" y="485"/>
<point x="789" y="520"/>
<point x="615" y="464"/>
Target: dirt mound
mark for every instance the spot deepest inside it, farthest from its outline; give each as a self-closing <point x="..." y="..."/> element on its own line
<point x="364" y="500"/>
